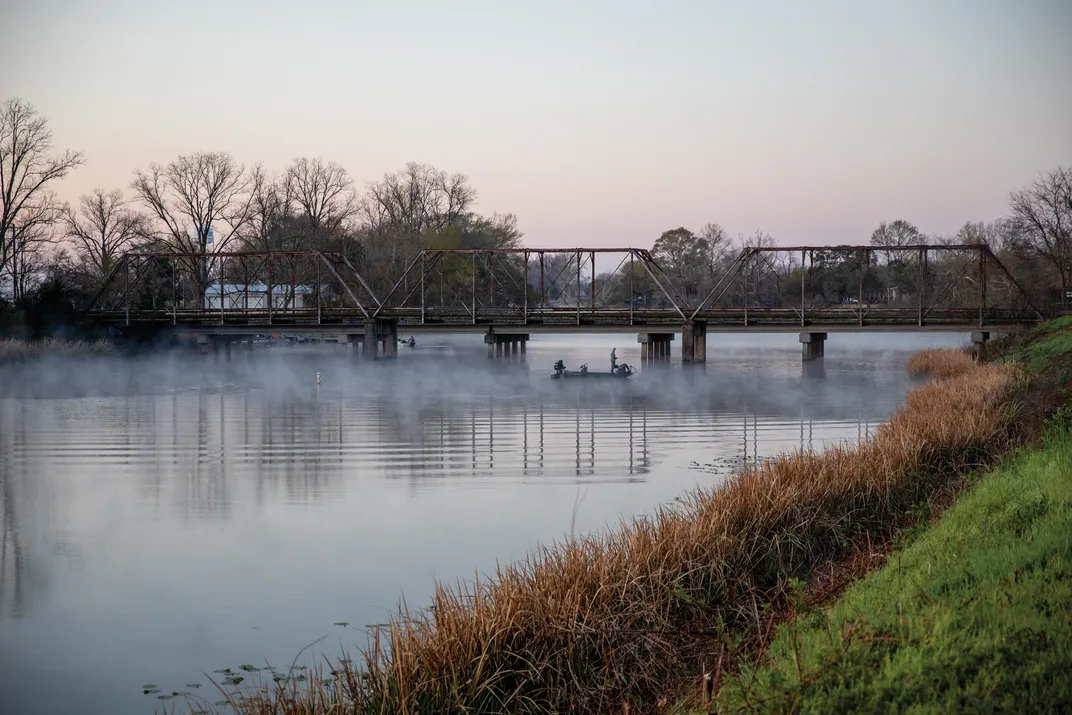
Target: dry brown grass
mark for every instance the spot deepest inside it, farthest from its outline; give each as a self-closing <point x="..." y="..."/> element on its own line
<point x="12" y="349"/>
<point x="593" y="622"/>
<point x="940" y="362"/>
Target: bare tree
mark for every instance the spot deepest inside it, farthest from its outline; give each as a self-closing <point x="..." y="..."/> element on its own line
<point x="409" y="208"/>
<point x="322" y="193"/>
<point x="270" y="213"/>
<point x="103" y="229"/>
<point x="195" y="194"/>
<point x="26" y="169"/>
<point x="415" y="199"/>
<point x="29" y="235"/>
<point x="897" y="233"/>
<point x="192" y="198"/>
<point x="1042" y="214"/>
<point x="718" y="241"/>
<point x="996" y="235"/>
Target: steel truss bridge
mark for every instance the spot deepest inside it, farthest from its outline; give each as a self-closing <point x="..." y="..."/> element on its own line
<point x="531" y="290"/>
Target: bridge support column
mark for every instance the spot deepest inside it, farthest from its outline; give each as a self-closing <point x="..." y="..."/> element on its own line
<point x="506" y="346"/>
<point x="979" y="339"/>
<point x="204" y="344"/>
<point x="354" y="344"/>
<point x="694" y="342"/>
<point x="227" y="349"/>
<point x="389" y="331"/>
<point x="371" y="342"/>
<point x="813" y="346"/>
<point x="655" y="347"/>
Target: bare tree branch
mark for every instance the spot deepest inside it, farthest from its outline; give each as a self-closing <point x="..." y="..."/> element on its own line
<point x="104" y="228"/>
<point x="26" y="169"/>
<point x="1042" y="215"/>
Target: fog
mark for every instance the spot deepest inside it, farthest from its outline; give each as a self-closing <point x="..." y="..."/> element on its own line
<point x="174" y="513"/>
<point x="760" y="372"/>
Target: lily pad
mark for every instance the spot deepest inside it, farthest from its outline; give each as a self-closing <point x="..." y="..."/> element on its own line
<point x="150" y="691"/>
<point x="150" y="685"/>
<point x="249" y="668"/>
<point x="342" y="623"/>
<point x="165" y="697"/>
<point x="193" y="685"/>
<point x="222" y="670"/>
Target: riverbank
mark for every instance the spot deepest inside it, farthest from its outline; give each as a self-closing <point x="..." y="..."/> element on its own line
<point x="972" y="611"/>
<point x="626" y="617"/>
<point x="15" y="350"/>
<point x="975" y="614"/>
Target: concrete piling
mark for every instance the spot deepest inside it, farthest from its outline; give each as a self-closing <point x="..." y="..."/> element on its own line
<point x="813" y="346"/>
<point x="655" y="347"/>
<point x="506" y="346"/>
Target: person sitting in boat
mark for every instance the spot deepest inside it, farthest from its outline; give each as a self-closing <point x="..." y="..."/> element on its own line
<point x="412" y="341"/>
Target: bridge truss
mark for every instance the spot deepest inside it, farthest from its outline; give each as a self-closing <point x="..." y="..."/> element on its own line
<point x="918" y="285"/>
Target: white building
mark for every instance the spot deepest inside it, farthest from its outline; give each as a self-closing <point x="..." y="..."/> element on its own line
<point x="254" y="296"/>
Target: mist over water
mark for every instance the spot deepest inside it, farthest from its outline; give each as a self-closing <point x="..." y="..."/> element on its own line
<point x="173" y="514"/>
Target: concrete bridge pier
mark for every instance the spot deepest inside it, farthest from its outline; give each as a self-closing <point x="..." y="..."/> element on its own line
<point x="655" y="347"/>
<point x="378" y="333"/>
<point x="694" y="342"/>
<point x="389" y="333"/>
<point x="371" y="343"/>
<point x="355" y="344"/>
<point x="506" y="346"/>
<point x="813" y="346"/>
<point x="979" y="339"/>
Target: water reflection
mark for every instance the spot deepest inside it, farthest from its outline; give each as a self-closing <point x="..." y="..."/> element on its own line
<point x="171" y="516"/>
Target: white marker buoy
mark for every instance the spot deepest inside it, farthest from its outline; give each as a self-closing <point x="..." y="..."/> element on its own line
<point x="318" y="378"/>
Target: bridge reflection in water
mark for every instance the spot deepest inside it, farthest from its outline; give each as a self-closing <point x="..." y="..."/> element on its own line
<point x="234" y="522"/>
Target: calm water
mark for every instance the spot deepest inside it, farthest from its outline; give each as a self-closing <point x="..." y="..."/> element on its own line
<point x="164" y="518"/>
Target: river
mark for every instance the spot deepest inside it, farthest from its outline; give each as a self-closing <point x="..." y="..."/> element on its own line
<point x="166" y="517"/>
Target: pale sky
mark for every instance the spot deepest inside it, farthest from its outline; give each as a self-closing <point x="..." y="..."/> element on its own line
<point x="597" y="123"/>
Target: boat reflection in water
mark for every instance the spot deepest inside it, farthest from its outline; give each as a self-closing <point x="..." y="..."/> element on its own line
<point x="616" y="371"/>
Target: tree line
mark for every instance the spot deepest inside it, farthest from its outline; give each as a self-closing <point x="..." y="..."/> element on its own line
<point x="208" y="201"/>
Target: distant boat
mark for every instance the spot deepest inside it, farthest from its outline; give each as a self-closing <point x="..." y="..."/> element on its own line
<point x="617" y="371"/>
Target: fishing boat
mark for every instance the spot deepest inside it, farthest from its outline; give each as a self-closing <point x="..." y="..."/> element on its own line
<point x="617" y="371"/>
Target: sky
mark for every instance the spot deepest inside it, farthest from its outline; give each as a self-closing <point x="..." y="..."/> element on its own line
<point x="596" y="123"/>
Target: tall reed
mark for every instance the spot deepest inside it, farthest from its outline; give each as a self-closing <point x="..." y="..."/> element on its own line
<point x="13" y="349"/>
<point x="940" y="362"/>
<point x="591" y="621"/>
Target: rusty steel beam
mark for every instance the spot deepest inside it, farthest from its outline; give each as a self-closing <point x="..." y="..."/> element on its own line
<point x="133" y="266"/>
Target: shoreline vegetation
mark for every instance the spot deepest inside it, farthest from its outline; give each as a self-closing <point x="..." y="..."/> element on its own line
<point x="630" y="620"/>
<point x="972" y="611"/>
<point x="16" y="350"/>
<point x="972" y="615"/>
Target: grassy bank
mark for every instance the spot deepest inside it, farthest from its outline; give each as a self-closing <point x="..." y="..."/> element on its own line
<point x="975" y="615"/>
<point x="591" y="624"/>
<point x="14" y="350"/>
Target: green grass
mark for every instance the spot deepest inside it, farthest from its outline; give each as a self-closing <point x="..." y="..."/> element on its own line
<point x="1047" y="347"/>
<point x="974" y="615"/>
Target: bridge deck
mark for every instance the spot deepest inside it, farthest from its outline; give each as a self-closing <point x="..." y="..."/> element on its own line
<point x="336" y="320"/>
